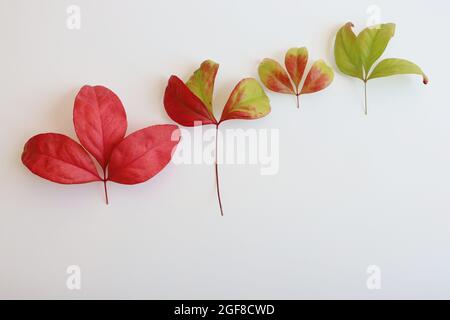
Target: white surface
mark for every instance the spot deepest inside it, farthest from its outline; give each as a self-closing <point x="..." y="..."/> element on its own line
<point x="351" y="191"/>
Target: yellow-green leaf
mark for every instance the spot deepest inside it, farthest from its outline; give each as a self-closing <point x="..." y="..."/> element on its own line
<point x="247" y="101"/>
<point x="201" y="82"/>
<point x="319" y="77"/>
<point x="274" y="77"/>
<point x="346" y="52"/>
<point x="390" y="67"/>
<point x="295" y="62"/>
<point x="372" y="42"/>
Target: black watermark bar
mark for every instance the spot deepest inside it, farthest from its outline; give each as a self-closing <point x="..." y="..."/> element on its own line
<point x="227" y="309"/>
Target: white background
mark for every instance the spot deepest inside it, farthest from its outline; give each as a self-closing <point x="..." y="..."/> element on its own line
<point x="351" y="191"/>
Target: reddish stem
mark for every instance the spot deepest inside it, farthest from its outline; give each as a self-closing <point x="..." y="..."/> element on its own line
<point x="217" y="172"/>
<point x="104" y="186"/>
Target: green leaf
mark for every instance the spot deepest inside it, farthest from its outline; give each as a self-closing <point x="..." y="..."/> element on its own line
<point x="372" y="42"/>
<point x="347" y="53"/>
<point x="201" y="83"/>
<point x="390" y="67"/>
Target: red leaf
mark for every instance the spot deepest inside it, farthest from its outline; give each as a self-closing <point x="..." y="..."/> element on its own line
<point x="143" y="154"/>
<point x="100" y="121"/>
<point x="58" y="158"/>
<point x="184" y="107"/>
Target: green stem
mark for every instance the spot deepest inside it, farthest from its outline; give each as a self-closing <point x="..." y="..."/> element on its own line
<point x="365" y="97"/>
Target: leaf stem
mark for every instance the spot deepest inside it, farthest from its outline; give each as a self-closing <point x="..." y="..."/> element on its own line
<point x="217" y="172"/>
<point x="105" y="179"/>
<point x="365" y="97"/>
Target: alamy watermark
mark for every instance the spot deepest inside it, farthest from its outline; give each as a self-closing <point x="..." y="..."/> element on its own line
<point x="73" y="21"/>
<point x="374" y="279"/>
<point x="73" y="281"/>
<point x="233" y="146"/>
<point x="374" y="16"/>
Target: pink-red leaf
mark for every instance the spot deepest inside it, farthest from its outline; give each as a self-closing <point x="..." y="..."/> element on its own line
<point x="143" y="154"/>
<point x="295" y="62"/>
<point x="58" y="158"/>
<point x="100" y="121"/>
<point x="319" y="77"/>
<point x="184" y="107"/>
<point x="274" y="77"/>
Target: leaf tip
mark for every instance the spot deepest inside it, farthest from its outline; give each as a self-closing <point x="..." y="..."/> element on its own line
<point x="211" y="62"/>
<point x="349" y="24"/>
<point x="173" y="77"/>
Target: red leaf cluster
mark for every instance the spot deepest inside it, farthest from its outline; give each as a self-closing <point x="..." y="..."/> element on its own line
<point x="100" y="123"/>
<point x="190" y="104"/>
